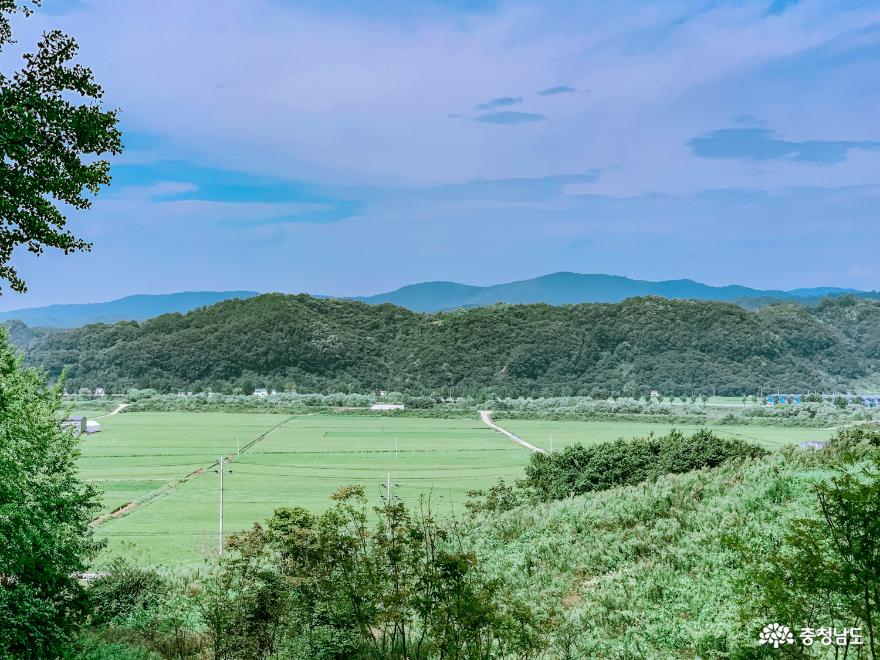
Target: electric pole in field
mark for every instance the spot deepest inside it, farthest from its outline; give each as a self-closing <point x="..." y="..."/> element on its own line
<point x="220" y="553"/>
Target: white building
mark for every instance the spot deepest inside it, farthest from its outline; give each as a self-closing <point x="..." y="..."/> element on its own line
<point x="261" y="392"/>
<point x="387" y="406"/>
<point x="92" y="426"/>
<point x="76" y="424"/>
<point x="99" y="391"/>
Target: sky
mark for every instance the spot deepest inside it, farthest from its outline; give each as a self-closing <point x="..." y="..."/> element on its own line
<point x="350" y="148"/>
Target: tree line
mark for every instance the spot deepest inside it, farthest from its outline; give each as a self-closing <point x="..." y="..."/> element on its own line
<point x="306" y="344"/>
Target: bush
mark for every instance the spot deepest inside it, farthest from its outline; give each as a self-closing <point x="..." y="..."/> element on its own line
<point x="578" y="469"/>
<point x="125" y="591"/>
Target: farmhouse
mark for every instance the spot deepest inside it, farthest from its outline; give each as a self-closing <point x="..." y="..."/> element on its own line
<point x="99" y="391"/>
<point x="261" y="392"/>
<point x="76" y="424"/>
<point x="387" y="406"/>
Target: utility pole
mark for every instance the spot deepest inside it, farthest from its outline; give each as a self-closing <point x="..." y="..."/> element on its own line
<point x="220" y="553"/>
<point x="237" y="446"/>
<point x="388" y="488"/>
<point x="396" y="449"/>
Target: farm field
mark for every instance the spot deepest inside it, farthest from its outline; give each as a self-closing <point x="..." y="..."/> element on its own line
<point x="138" y="453"/>
<point x="301" y="462"/>
<point x="543" y="433"/>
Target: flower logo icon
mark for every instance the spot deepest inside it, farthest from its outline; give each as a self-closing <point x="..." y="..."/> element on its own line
<point x="776" y="635"/>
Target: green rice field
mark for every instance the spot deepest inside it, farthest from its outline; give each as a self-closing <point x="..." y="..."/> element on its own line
<point x="166" y="464"/>
<point x="300" y="461"/>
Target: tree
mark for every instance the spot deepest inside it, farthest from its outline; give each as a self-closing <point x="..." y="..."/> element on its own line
<point x="53" y="132"/>
<point x="45" y="511"/>
<point x="335" y="586"/>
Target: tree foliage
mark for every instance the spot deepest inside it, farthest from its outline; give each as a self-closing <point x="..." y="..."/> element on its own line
<point x="44" y="515"/>
<point x="335" y="586"/>
<point x="53" y="132"/>
<point x="681" y="348"/>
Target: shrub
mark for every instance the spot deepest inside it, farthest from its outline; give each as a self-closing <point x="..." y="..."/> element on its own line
<point x="578" y="469"/>
<point x="125" y="591"/>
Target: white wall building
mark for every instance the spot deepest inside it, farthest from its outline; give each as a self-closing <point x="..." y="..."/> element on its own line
<point x="387" y="406"/>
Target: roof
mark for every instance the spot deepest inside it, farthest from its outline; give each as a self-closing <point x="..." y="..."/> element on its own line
<point x="75" y="418"/>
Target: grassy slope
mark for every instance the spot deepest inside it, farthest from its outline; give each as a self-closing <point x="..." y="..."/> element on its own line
<point x="645" y="571"/>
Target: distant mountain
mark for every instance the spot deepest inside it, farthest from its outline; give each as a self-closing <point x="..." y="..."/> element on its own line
<point x="553" y="289"/>
<point x="130" y="308"/>
<point x="572" y="288"/>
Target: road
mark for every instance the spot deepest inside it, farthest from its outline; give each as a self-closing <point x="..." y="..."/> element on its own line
<point x="116" y="411"/>
<point x="486" y="416"/>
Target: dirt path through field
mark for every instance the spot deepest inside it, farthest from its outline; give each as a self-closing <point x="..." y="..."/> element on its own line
<point x="116" y="411"/>
<point x="486" y="416"/>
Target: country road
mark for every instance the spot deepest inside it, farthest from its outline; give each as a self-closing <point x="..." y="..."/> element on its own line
<point x="486" y="416"/>
<point x="116" y="411"/>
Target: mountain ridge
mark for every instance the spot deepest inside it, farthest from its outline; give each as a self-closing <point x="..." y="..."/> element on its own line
<point x="138" y="307"/>
<point x="563" y="288"/>
<point x="558" y="288"/>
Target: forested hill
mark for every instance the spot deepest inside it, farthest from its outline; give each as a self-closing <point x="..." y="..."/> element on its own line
<point x="279" y="341"/>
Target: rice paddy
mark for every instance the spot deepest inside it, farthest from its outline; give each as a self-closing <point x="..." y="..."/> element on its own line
<point x="163" y="467"/>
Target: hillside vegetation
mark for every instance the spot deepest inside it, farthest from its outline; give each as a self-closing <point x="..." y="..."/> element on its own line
<point x="650" y="571"/>
<point x="323" y="345"/>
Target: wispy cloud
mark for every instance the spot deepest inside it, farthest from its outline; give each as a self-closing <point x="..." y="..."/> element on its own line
<point x="506" y="118"/>
<point x="559" y="89"/>
<point x="761" y="144"/>
<point x="500" y="102"/>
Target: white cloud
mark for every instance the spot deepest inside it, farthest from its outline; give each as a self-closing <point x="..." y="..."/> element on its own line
<point x="343" y="98"/>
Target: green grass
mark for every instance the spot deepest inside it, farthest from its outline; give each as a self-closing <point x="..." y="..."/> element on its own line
<point x="136" y="454"/>
<point x="141" y="457"/>
<point x="542" y="432"/>
<point x="300" y="463"/>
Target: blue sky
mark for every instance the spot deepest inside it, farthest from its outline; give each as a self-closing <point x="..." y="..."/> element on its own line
<point x="343" y="147"/>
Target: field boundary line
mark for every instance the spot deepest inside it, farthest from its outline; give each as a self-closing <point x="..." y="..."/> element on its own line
<point x="172" y="485"/>
<point x="486" y="417"/>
